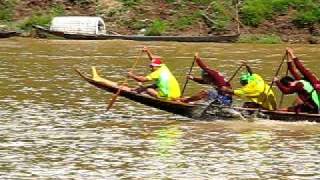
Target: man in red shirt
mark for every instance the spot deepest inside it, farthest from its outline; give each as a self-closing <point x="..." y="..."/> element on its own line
<point x="306" y="73"/>
<point x="214" y="78"/>
<point x="305" y="91"/>
<point x="305" y="87"/>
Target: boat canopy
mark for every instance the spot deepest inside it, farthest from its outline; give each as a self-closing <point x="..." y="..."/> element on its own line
<point x="78" y="25"/>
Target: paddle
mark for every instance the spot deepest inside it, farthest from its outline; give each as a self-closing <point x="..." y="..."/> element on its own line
<point x="282" y="94"/>
<point x="190" y="70"/>
<point x="235" y="73"/>
<point x="114" y="97"/>
<point x="276" y="74"/>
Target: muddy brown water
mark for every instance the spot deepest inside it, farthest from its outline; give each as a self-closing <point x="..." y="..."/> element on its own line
<point x="54" y="125"/>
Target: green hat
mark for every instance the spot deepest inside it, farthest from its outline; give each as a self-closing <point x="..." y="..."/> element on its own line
<point x="246" y="78"/>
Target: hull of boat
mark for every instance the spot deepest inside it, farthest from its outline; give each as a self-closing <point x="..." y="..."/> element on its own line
<point x="198" y="111"/>
<point x="169" y="106"/>
<point x="221" y="38"/>
<point x="7" y="34"/>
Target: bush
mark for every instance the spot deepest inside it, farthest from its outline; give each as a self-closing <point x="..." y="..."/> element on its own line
<point x="307" y="18"/>
<point x="186" y="21"/>
<point x="280" y="6"/>
<point x="42" y="19"/>
<point x="308" y="13"/>
<point x="7" y="9"/>
<point x="222" y="20"/>
<point x="157" y="28"/>
<point x="253" y="12"/>
<point x="130" y="2"/>
<point x="260" y="39"/>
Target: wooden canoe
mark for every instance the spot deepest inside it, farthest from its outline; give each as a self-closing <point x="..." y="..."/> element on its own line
<point x="196" y="111"/>
<point x="7" y="34"/>
<point x="220" y="38"/>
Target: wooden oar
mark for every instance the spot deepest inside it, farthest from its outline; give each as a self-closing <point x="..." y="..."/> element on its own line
<point x="276" y="74"/>
<point x="190" y="70"/>
<point x="235" y="73"/>
<point x="282" y="94"/>
<point x="114" y="97"/>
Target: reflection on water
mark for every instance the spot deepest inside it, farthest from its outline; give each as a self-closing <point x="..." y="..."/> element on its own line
<point x="54" y="125"/>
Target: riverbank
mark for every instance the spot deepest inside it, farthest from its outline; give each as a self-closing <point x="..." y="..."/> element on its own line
<point x="260" y="21"/>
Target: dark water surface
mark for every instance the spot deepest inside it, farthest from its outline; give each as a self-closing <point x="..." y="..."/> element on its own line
<point x="54" y="125"/>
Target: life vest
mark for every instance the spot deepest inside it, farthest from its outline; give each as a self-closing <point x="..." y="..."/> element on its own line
<point x="313" y="93"/>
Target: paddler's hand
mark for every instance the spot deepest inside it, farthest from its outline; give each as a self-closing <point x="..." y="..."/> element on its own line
<point x="275" y="79"/>
<point x="289" y="51"/>
<point x="190" y="77"/>
<point x="224" y="89"/>
<point x="144" y="49"/>
<point x="130" y="74"/>
<point x="243" y="63"/>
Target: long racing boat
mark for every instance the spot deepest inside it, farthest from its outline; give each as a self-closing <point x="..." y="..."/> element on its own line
<point x="195" y="111"/>
<point x="7" y="34"/>
<point x="75" y="36"/>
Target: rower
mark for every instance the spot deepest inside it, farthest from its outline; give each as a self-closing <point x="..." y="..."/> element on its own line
<point x="307" y="75"/>
<point x="255" y="90"/>
<point x="166" y="85"/>
<point x="308" y="97"/>
<point x="213" y="78"/>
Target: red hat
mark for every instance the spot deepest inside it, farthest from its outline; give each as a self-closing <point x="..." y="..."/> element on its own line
<point x="156" y="61"/>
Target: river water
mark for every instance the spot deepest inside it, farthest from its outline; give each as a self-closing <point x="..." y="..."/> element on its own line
<point x="54" y="125"/>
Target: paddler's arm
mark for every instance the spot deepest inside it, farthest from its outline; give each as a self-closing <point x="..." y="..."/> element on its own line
<point x="145" y="49"/>
<point x="196" y="79"/>
<point x="241" y="92"/>
<point x="288" y="90"/>
<point x="304" y="71"/>
<point x="227" y="90"/>
<point x="293" y="70"/>
<point x="137" y="78"/>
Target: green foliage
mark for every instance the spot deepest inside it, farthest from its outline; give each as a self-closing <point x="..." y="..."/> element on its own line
<point x="7" y="9"/>
<point x="57" y="10"/>
<point x="130" y="2"/>
<point x="308" y="12"/>
<point x="83" y="2"/>
<point x="170" y="1"/>
<point x="42" y="18"/>
<point x="307" y="18"/>
<point x="186" y="21"/>
<point x="134" y="24"/>
<point x="157" y="28"/>
<point x="260" y="39"/>
<point x="202" y="2"/>
<point x="220" y="15"/>
<point x="280" y="6"/>
<point x="253" y="12"/>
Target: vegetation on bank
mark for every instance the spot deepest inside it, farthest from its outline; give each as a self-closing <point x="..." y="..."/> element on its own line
<point x="174" y="17"/>
<point x="260" y="39"/>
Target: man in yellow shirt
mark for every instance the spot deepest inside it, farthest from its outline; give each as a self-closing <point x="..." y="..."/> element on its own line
<point x="255" y="90"/>
<point x="166" y="86"/>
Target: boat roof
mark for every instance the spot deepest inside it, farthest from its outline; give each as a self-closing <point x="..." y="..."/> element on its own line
<point x="68" y="19"/>
<point x="78" y="24"/>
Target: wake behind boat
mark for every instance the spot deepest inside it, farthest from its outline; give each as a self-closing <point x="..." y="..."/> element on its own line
<point x="195" y="111"/>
